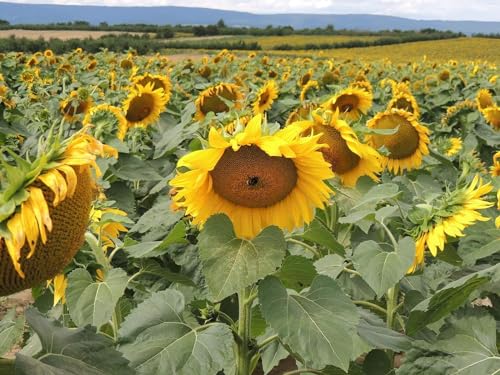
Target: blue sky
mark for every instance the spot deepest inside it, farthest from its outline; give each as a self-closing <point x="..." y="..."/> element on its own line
<point x="481" y="10"/>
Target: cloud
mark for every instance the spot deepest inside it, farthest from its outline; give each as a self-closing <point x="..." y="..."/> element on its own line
<point x="481" y="10"/>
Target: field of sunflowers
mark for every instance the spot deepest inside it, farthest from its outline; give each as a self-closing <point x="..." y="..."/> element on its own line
<point x="240" y="214"/>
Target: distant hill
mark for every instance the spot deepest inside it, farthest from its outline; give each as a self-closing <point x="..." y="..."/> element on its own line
<point x="42" y="14"/>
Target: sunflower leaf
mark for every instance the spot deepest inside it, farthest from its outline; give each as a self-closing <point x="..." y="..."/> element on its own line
<point x="318" y="324"/>
<point x="230" y="263"/>
<point x="11" y="330"/>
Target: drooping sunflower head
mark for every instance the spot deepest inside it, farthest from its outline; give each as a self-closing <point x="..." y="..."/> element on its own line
<point x="492" y="116"/>
<point x="44" y="209"/>
<point x="406" y="102"/>
<point x="256" y="180"/>
<point x="351" y="103"/>
<point x="495" y="168"/>
<point x="348" y="157"/>
<point x="406" y="147"/>
<point x="213" y="99"/>
<point x="143" y="105"/>
<point x="305" y="78"/>
<point x="77" y="103"/>
<point x="308" y="88"/>
<point x="265" y="97"/>
<point x="107" y="121"/>
<point x="484" y="99"/>
<point x="158" y="82"/>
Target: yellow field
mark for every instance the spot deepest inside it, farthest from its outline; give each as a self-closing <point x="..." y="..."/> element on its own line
<point x="436" y="50"/>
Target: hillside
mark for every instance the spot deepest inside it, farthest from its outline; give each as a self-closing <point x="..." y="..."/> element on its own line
<point x="41" y="14"/>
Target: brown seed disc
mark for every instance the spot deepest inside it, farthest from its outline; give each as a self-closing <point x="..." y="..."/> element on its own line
<point x="70" y="220"/>
<point x="213" y="103"/>
<point x="338" y="154"/>
<point x="140" y="107"/>
<point x="345" y="103"/>
<point x="251" y="178"/>
<point x="400" y="145"/>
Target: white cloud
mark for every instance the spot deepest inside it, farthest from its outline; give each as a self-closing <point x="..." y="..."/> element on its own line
<point x="481" y="10"/>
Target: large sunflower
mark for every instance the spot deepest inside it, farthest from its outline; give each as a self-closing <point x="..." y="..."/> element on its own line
<point x="484" y="99"/>
<point x="144" y="105"/>
<point x="406" y="147"/>
<point x="210" y="100"/>
<point x="44" y="209"/>
<point x="406" y="102"/>
<point x="265" y="97"/>
<point x="106" y="120"/>
<point x="256" y="180"/>
<point x="351" y="103"/>
<point x="492" y="116"/>
<point x="349" y="158"/>
<point x="456" y="211"/>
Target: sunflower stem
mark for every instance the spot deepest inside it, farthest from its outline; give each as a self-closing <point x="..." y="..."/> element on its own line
<point x="306" y="246"/>
<point x="6" y="366"/>
<point x="392" y="301"/>
<point x="244" y="325"/>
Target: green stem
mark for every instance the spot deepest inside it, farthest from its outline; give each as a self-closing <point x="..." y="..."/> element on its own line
<point x="389" y="234"/>
<point x="303" y="370"/>
<point x="244" y="325"/>
<point x="392" y="301"/>
<point x="7" y="366"/>
<point x="268" y="341"/>
<point x="371" y="306"/>
<point x="353" y="272"/>
<point x="306" y="246"/>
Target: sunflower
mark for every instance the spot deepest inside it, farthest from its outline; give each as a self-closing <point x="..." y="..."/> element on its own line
<point x="158" y="81"/>
<point x="495" y="168"/>
<point x="349" y="158"/>
<point x="48" y="53"/>
<point x="305" y="78"/>
<point x="107" y="119"/>
<point x="484" y="99"/>
<point x="265" y="97"/>
<point x="143" y="105"/>
<point x="406" y="102"/>
<point x="456" y="211"/>
<point x="107" y="227"/>
<point x="303" y="112"/>
<point x="492" y="116"/>
<point x="238" y="177"/>
<point x="454" y="146"/>
<point x="497" y="220"/>
<point x="312" y="84"/>
<point x="210" y="100"/>
<point x="363" y="84"/>
<point x="75" y="104"/>
<point x="44" y="211"/>
<point x="406" y="147"/>
<point x="351" y="103"/>
<point x="60" y="283"/>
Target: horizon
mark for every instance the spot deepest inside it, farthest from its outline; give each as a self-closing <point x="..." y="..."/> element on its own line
<point x="287" y="11"/>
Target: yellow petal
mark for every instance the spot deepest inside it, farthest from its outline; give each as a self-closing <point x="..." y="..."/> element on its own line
<point x="55" y="182"/>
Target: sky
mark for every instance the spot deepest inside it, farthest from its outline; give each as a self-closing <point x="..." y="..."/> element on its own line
<point x="480" y="10"/>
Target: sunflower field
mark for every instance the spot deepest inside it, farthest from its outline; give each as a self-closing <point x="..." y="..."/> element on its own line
<point x="243" y="213"/>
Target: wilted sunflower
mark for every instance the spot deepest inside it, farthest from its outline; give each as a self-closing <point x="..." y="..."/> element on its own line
<point x="484" y="99"/>
<point x="492" y="116"/>
<point x="158" y="81"/>
<point x="238" y="177"/>
<point x="406" y="147"/>
<point x="351" y="103"/>
<point x="456" y="211"/>
<point x="406" y="102"/>
<point x="265" y="97"/>
<point x="106" y="120"/>
<point x="349" y="158"/>
<point x="143" y="105"/>
<point x="75" y="104"/>
<point x="209" y="99"/>
<point x="44" y="209"/>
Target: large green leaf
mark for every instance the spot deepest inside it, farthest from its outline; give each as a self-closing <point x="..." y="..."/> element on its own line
<point x="131" y="168"/>
<point x="447" y="299"/>
<point x="318" y="233"/>
<point x="157" y="340"/>
<point x="91" y="302"/>
<point x="383" y="269"/>
<point x="11" y="330"/>
<point x="230" y="263"/>
<point x="296" y="272"/>
<point x="70" y="351"/>
<point x="317" y="324"/>
<point x="331" y="265"/>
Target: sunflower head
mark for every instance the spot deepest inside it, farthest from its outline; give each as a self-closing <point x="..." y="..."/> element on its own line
<point x="305" y="78"/>
<point x="453" y="146"/>
<point x="406" y="102"/>
<point x="351" y="103"/>
<point x="348" y="157"/>
<point x="307" y="88"/>
<point x="484" y="99"/>
<point x="406" y="147"/>
<point x="214" y="99"/>
<point x="44" y="209"/>
<point x="157" y="81"/>
<point x="303" y="112"/>
<point x="144" y="105"/>
<point x="238" y="177"/>
<point x="77" y="103"/>
<point x="492" y="116"/>
<point x="265" y="97"/>
<point x="107" y="121"/>
<point x="495" y="168"/>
